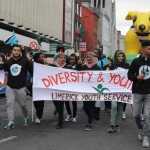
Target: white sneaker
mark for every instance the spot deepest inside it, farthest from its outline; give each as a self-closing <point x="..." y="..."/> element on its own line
<point x="74" y="119"/>
<point x="124" y="116"/>
<point x="68" y="118"/>
<point x="140" y="134"/>
<point x="37" y="121"/>
<point x="145" y="142"/>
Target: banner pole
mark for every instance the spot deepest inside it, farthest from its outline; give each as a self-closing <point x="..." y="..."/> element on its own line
<point x="32" y="110"/>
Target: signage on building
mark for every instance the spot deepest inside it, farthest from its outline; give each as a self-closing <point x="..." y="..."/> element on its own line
<point x="82" y="46"/>
<point x="33" y="45"/>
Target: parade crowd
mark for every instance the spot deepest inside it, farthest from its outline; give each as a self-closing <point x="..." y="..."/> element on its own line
<point x="18" y="63"/>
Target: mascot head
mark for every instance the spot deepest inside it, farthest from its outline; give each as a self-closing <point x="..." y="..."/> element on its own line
<point x="141" y="21"/>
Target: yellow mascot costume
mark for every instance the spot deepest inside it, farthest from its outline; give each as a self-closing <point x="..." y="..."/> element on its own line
<point x="139" y="31"/>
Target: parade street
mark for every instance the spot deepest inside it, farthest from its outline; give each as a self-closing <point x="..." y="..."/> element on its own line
<point x="72" y="137"/>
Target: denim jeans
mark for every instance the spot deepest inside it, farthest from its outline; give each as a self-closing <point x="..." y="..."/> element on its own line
<point x="116" y="107"/>
<point x="139" y="100"/>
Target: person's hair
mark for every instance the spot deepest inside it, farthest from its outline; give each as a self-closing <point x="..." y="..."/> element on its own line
<point x="99" y="56"/>
<point x="74" y="55"/>
<point x="16" y="46"/>
<point x="37" y="56"/>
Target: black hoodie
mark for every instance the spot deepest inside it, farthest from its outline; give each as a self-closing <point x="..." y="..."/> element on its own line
<point x="118" y="64"/>
<point x="17" y="71"/>
<point x="138" y="66"/>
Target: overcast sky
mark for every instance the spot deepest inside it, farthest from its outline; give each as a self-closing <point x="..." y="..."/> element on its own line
<point x="122" y="9"/>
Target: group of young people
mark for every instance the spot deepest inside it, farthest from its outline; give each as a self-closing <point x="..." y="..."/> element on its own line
<point x="139" y="73"/>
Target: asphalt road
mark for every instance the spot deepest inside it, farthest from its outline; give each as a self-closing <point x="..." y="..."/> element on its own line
<point x="71" y="137"/>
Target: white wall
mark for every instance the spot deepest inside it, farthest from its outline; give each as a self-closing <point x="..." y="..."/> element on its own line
<point x="44" y="16"/>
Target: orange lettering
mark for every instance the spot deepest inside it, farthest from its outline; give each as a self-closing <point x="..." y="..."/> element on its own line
<point x="46" y="82"/>
<point x="82" y="73"/>
<point x="90" y="75"/>
<point x="67" y="77"/>
<point x="55" y="80"/>
<point x="74" y="78"/>
<point x="61" y="78"/>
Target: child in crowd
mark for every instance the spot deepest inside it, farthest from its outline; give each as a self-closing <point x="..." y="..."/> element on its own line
<point x="109" y="66"/>
<point x="119" y="63"/>
<point x="72" y="65"/>
<point x="90" y="64"/>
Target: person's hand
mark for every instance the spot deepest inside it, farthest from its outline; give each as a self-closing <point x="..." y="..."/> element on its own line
<point x="22" y="47"/>
<point x="80" y="61"/>
<point x="141" y="76"/>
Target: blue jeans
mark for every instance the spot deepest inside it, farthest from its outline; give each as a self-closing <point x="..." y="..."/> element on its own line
<point x="138" y="101"/>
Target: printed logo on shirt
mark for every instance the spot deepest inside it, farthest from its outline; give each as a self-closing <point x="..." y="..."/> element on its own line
<point x="15" y="69"/>
<point x="146" y="70"/>
<point x="119" y="68"/>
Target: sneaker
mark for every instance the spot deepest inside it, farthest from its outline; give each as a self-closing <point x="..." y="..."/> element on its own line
<point x="111" y="129"/>
<point x="37" y="121"/>
<point x="10" y="125"/>
<point x="145" y="141"/>
<point x="142" y="117"/>
<point x="74" y="119"/>
<point x="88" y="127"/>
<point x="59" y="126"/>
<point x="117" y="128"/>
<point x="26" y="122"/>
<point x="140" y="134"/>
<point x="124" y="116"/>
<point x="68" y="118"/>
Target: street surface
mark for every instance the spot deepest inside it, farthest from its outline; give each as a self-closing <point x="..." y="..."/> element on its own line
<point x="72" y="137"/>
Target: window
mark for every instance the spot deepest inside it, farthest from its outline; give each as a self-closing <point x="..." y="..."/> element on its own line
<point x="103" y="3"/>
<point x="94" y="3"/>
<point x="75" y="8"/>
<point x="80" y="11"/>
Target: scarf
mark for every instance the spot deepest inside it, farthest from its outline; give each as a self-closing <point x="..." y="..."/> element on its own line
<point x="57" y="60"/>
<point x="94" y="60"/>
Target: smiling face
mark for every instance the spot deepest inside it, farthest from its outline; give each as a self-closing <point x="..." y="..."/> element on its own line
<point x="120" y="58"/>
<point x="62" y="59"/>
<point x="89" y="59"/>
<point x="141" y="22"/>
<point x="72" y="60"/>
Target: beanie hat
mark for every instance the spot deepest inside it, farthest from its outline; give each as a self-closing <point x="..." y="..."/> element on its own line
<point x="110" y="58"/>
<point x="91" y="54"/>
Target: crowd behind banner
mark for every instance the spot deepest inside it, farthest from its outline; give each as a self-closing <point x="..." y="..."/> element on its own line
<point x="92" y="62"/>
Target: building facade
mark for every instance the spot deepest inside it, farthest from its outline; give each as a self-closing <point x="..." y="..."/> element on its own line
<point x="77" y="22"/>
<point x="90" y="25"/>
<point x="50" y="18"/>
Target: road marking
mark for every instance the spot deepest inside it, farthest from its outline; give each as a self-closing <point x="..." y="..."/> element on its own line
<point x="9" y="138"/>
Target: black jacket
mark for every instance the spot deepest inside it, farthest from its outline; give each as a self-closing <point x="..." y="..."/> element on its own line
<point x="17" y="71"/>
<point x="138" y="66"/>
<point x="70" y="67"/>
<point x="121" y="65"/>
<point x="84" y="67"/>
<point x="66" y="66"/>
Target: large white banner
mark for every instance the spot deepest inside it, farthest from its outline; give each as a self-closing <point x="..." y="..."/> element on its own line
<point x="2" y="76"/>
<point x="52" y="83"/>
